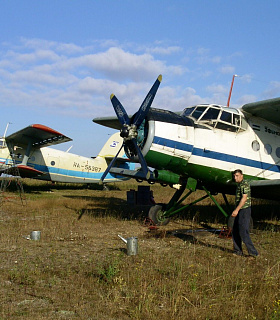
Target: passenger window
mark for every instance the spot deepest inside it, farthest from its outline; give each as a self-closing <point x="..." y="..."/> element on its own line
<point x="255" y="145"/>
<point x="267" y="148"/>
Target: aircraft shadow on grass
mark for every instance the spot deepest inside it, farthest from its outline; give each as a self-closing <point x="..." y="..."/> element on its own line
<point x="203" y="215"/>
<point x="119" y="208"/>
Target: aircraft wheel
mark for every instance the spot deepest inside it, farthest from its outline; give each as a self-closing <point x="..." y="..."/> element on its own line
<point x="156" y="215"/>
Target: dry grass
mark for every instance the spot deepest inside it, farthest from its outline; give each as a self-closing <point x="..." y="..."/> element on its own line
<point x="79" y="269"/>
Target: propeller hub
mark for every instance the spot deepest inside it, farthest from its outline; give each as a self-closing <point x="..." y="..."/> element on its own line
<point x="124" y="132"/>
<point x="128" y="132"/>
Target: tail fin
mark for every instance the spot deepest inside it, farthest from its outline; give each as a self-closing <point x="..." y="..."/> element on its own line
<point x="112" y="146"/>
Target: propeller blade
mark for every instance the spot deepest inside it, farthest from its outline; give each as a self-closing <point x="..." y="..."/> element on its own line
<point x="141" y="160"/>
<point x="146" y="104"/>
<point x="120" y="111"/>
<point x="109" y="166"/>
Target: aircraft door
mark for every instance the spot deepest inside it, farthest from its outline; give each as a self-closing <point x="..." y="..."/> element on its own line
<point x="184" y="142"/>
<point x="183" y="147"/>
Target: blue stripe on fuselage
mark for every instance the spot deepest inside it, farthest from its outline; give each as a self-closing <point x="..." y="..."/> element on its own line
<point x="173" y="144"/>
<point x="79" y="174"/>
<point x="216" y="155"/>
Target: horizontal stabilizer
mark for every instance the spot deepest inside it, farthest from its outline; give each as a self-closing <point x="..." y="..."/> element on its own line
<point x="110" y="122"/>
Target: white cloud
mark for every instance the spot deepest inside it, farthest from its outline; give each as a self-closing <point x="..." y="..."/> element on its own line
<point x="227" y="70"/>
<point x="202" y="56"/>
<point x="247" y="98"/>
<point x="273" y="90"/>
<point x="217" y="88"/>
<point x="164" y="50"/>
<point x="246" y="77"/>
<point x="177" y="98"/>
<point x="36" y="56"/>
<point x="64" y="78"/>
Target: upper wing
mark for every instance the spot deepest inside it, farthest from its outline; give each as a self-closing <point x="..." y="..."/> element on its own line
<point x="38" y="135"/>
<point x="266" y="109"/>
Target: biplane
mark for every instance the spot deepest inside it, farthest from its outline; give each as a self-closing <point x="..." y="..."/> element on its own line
<point x="26" y="153"/>
<point x="199" y="148"/>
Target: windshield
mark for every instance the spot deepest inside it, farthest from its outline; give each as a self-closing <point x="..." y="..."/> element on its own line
<point x="215" y="116"/>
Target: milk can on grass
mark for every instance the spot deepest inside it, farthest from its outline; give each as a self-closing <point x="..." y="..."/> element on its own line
<point x="35" y="235"/>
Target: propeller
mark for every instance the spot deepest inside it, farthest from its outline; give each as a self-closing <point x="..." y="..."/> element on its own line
<point x="110" y="165"/>
<point x="129" y="129"/>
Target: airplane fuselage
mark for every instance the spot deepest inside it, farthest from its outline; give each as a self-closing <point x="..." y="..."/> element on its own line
<point x="209" y="142"/>
<point x="60" y="166"/>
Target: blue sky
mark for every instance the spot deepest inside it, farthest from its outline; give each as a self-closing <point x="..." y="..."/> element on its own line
<point x="61" y="60"/>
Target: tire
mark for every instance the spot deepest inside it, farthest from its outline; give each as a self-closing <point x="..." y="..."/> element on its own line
<point x="156" y="215"/>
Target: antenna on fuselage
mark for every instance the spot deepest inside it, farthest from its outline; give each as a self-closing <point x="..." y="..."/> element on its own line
<point x="7" y="126"/>
<point x="69" y="148"/>
<point x="230" y="91"/>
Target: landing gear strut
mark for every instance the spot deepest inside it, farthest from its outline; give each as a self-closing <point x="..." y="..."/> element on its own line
<point x="160" y="214"/>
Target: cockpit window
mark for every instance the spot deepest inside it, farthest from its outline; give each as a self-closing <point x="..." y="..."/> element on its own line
<point x="219" y="117"/>
<point x="211" y="114"/>
<point x="198" y="112"/>
<point x="236" y="119"/>
<point x="187" y="111"/>
<point x="226" y="116"/>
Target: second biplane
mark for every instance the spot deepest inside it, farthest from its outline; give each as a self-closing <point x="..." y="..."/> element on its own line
<point x="26" y="153"/>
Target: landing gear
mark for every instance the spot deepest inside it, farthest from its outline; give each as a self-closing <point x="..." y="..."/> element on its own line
<point x="160" y="214"/>
<point x="156" y="214"/>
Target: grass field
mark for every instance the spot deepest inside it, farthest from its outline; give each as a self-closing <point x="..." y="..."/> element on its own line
<point x="80" y="270"/>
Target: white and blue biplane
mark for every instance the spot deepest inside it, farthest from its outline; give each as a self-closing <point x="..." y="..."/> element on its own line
<point x="27" y="153"/>
<point x="199" y="148"/>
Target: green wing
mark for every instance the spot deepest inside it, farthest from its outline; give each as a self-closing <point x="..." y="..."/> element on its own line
<point x="266" y="109"/>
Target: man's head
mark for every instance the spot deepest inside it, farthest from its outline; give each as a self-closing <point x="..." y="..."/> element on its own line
<point x="238" y="175"/>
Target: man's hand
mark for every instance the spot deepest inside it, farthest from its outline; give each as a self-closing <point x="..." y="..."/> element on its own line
<point x="240" y="205"/>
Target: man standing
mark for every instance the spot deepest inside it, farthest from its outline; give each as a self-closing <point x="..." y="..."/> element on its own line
<point x="242" y="214"/>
